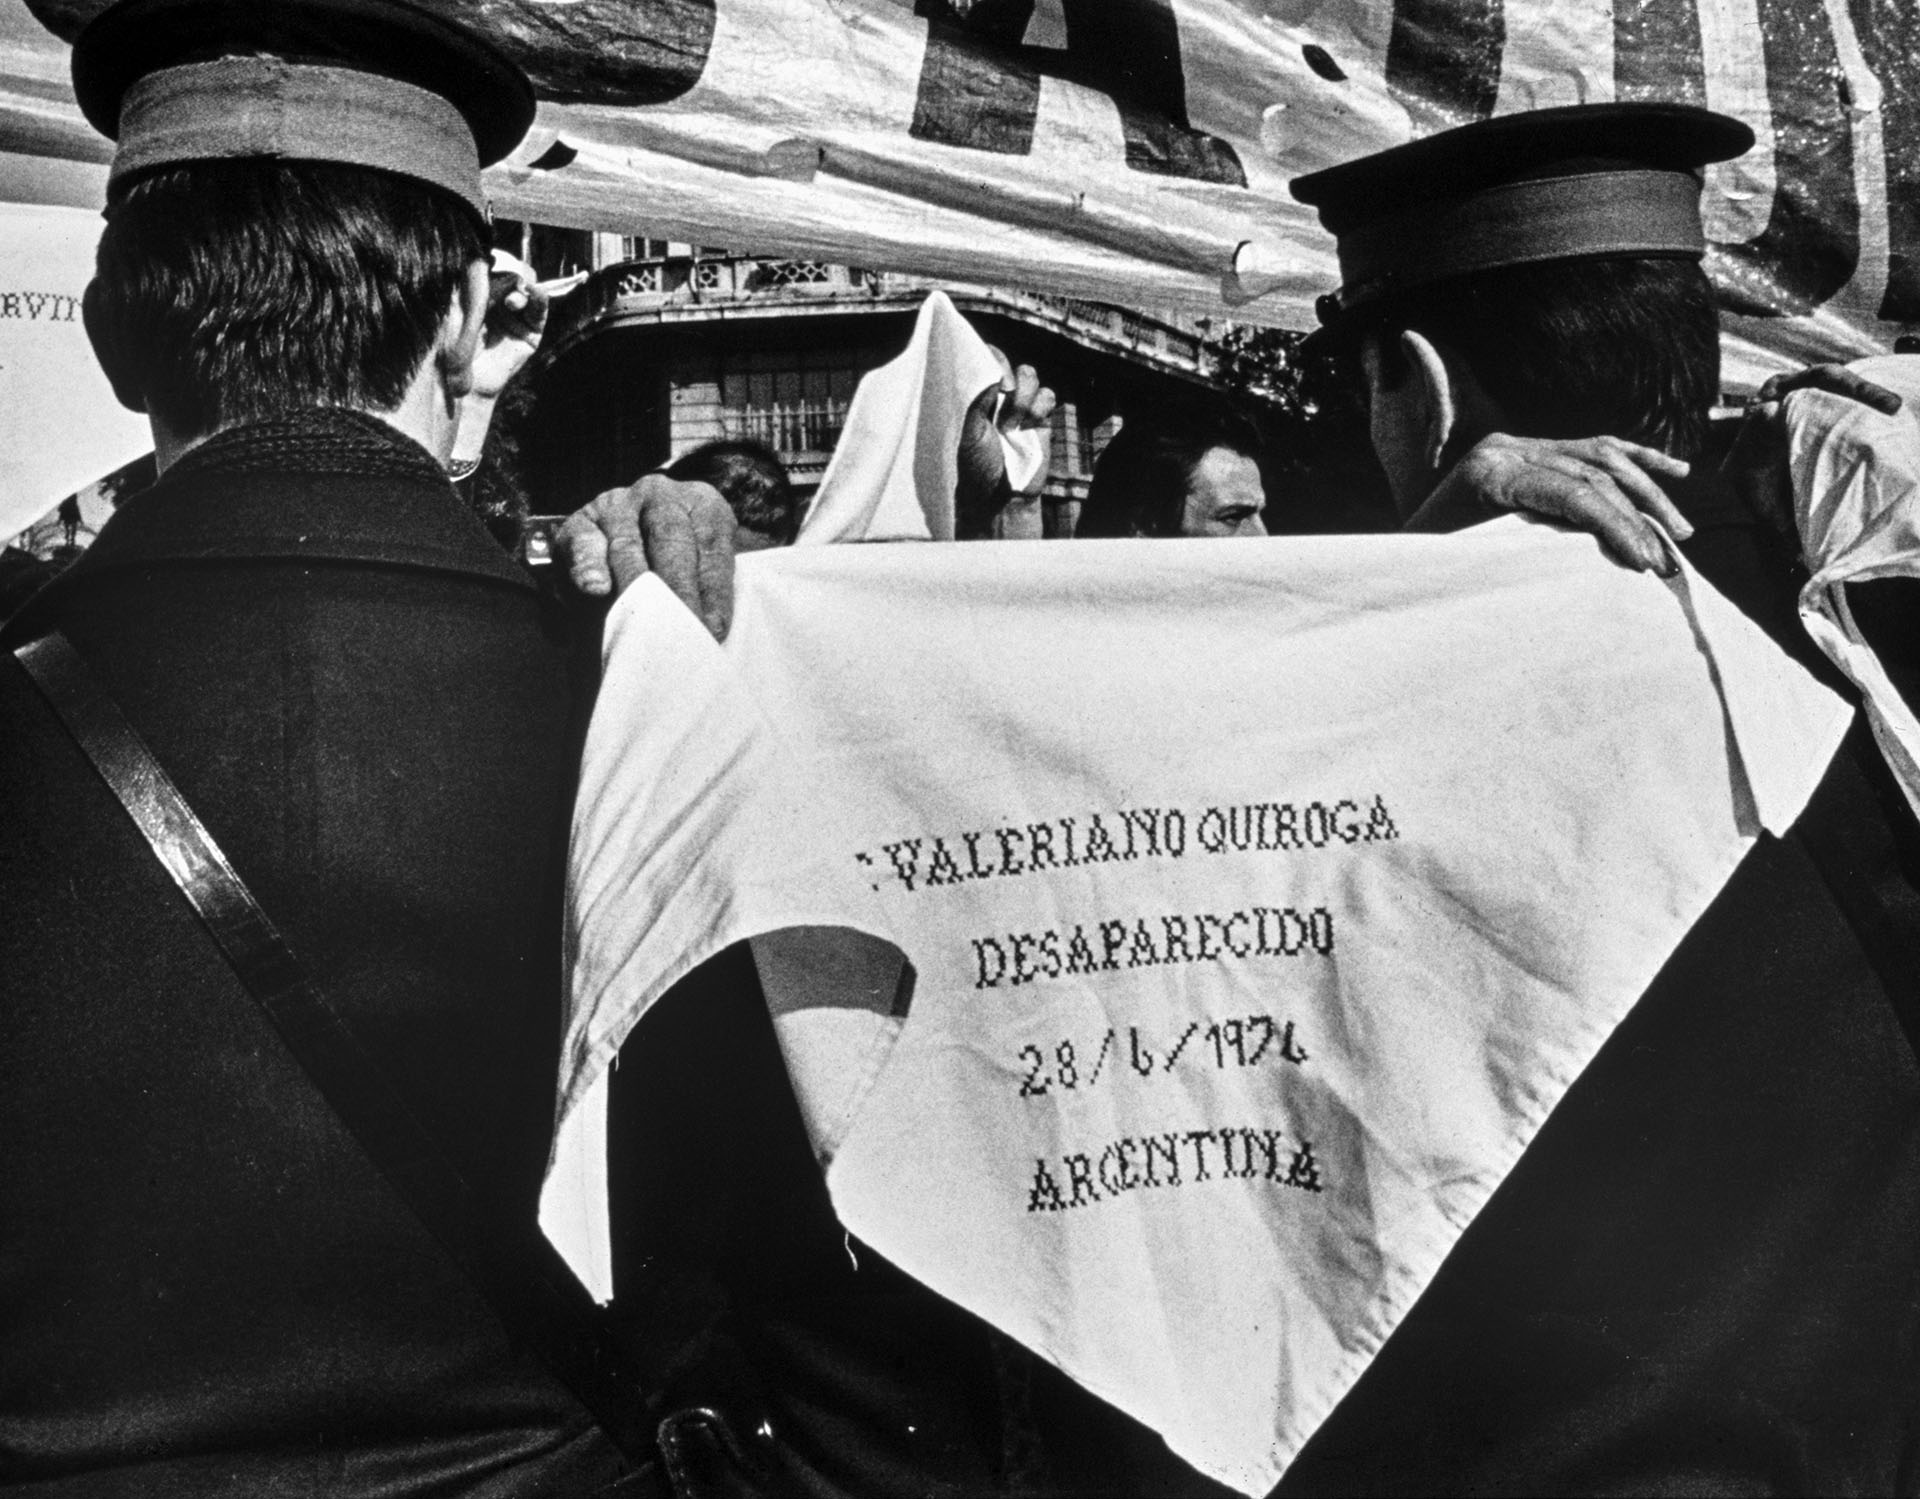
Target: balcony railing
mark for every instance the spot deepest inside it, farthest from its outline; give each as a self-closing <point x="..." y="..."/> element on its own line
<point x="667" y="282"/>
<point x="634" y="285"/>
<point x="789" y="427"/>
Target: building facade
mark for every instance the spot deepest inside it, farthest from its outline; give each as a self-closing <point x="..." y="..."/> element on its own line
<point x="667" y="346"/>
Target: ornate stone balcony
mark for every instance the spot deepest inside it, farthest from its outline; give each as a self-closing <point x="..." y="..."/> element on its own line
<point x="696" y="287"/>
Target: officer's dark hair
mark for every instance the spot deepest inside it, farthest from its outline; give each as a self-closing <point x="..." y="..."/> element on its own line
<point x="1624" y="347"/>
<point x="231" y="290"/>
<point x="1140" y="482"/>
<point x="751" y="478"/>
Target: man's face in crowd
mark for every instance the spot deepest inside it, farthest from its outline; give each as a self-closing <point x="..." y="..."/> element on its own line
<point x="1225" y="497"/>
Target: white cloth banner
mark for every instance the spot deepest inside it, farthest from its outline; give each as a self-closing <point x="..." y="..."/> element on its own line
<point x="63" y="428"/>
<point x="1138" y="151"/>
<point x="1856" y="487"/>
<point x="1262" y="898"/>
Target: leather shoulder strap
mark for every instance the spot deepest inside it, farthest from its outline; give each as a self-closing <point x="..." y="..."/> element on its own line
<point x="517" y="1270"/>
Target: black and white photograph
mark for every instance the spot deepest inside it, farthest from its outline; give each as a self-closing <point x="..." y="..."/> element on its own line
<point x="959" y="749"/>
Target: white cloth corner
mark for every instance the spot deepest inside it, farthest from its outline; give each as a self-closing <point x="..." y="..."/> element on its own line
<point x="1769" y="709"/>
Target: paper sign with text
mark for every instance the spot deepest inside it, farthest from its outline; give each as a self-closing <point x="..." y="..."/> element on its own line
<point x="63" y="427"/>
<point x="1262" y="898"/>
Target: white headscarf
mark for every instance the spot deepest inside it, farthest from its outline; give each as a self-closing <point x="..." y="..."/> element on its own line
<point x="893" y="472"/>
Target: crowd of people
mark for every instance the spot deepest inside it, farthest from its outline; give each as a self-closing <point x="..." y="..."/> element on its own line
<point x="277" y="1060"/>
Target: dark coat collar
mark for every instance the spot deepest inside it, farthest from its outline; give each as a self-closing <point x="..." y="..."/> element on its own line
<point x="321" y="485"/>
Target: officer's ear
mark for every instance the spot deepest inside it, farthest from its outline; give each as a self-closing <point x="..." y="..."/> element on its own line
<point x="1439" y="396"/>
<point x="106" y="349"/>
<point x="466" y="323"/>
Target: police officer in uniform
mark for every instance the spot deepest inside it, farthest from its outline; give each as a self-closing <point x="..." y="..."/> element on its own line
<point x="262" y="1234"/>
<point x="1701" y="1277"/>
<point x="207" y="1286"/>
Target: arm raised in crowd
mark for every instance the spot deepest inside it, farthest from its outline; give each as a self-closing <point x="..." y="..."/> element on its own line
<point x="516" y="321"/>
<point x="684" y="531"/>
<point x="983" y="491"/>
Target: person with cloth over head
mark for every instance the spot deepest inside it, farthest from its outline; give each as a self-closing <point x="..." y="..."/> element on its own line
<point x="268" y="1183"/>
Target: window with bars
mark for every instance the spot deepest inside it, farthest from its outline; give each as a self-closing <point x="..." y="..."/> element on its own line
<point x="636" y="247"/>
<point x="795" y="404"/>
<point x="791" y="411"/>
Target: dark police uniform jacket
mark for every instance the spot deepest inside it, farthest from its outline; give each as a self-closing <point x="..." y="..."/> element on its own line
<point x="205" y="1287"/>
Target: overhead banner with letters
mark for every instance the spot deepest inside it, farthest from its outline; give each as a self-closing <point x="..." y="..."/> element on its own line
<point x="1138" y="151"/>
